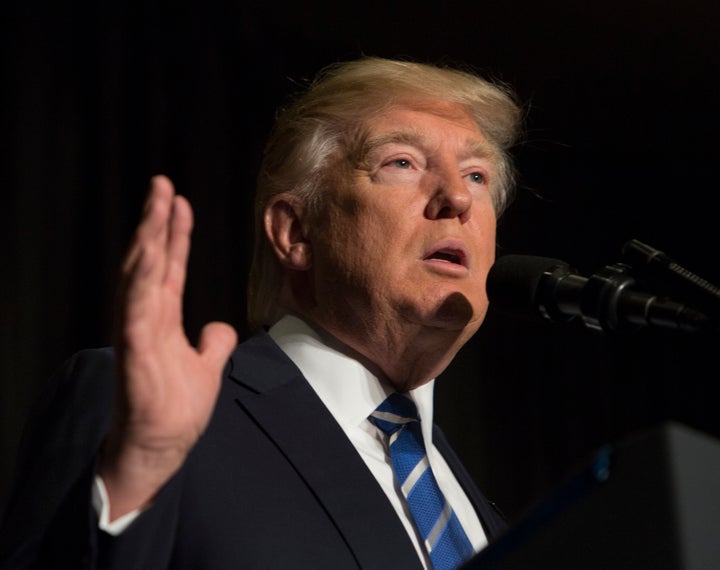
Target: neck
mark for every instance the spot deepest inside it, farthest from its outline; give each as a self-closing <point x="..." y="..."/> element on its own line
<point x="405" y="359"/>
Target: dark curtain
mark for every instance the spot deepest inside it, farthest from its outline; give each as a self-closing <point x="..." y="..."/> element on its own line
<point x="621" y="143"/>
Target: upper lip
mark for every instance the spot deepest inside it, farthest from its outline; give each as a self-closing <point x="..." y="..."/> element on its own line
<point x="452" y="250"/>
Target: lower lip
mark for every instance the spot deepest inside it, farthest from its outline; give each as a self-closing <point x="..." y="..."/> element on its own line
<point x="445" y="267"/>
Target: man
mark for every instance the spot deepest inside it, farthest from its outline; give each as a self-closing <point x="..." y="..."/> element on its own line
<point x="375" y="213"/>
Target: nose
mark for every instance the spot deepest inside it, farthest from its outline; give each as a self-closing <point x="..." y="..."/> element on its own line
<point x="451" y="199"/>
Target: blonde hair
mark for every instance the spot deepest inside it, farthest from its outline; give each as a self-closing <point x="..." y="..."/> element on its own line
<point x="323" y="126"/>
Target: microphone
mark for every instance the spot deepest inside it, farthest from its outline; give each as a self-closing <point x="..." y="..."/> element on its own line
<point x="607" y="300"/>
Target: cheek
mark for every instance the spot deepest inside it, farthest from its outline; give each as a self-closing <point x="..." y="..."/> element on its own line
<point x="369" y="228"/>
<point x="351" y="242"/>
<point x="484" y="232"/>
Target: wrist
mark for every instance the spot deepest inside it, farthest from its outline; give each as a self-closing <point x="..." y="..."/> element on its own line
<point x="133" y="474"/>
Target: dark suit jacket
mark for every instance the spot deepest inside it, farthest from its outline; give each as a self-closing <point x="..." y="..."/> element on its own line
<point x="272" y="483"/>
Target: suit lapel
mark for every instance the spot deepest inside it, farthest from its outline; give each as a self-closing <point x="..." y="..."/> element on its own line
<point x="292" y="415"/>
<point x="492" y="520"/>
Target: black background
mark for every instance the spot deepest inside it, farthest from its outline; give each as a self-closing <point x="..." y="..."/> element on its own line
<point x="621" y="143"/>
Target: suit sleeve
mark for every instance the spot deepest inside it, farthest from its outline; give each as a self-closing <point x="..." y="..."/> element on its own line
<point x="49" y="520"/>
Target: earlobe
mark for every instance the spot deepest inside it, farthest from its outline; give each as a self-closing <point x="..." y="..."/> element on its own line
<point x="284" y="230"/>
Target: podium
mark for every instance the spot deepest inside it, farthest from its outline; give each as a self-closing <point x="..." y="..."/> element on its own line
<point x="650" y="502"/>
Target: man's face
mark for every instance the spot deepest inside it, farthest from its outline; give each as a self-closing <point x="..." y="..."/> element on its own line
<point x="407" y="237"/>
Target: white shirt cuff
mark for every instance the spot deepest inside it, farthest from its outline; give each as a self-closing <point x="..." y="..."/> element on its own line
<point x="101" y="504"/>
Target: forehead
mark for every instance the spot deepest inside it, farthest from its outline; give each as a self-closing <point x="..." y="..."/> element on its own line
<point x="427" y="123"/>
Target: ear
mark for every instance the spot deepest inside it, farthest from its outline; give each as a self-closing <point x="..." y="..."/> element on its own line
<point x="284" y="229"/>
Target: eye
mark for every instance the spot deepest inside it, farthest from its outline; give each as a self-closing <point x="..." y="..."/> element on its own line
<point x="477" y="177"/>
<point x="401" y="163"/>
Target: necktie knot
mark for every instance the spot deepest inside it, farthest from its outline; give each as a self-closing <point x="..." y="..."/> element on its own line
<point x="395" y="412"/>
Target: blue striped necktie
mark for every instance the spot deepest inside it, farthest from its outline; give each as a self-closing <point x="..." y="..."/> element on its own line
<point x="441" y="531"/>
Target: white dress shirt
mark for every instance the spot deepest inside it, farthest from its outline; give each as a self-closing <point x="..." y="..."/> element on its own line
<point x="351" y="393"/>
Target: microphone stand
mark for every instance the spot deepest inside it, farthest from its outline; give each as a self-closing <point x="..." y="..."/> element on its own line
<point x="609" y="303"/>
<point x="670" y="278"/>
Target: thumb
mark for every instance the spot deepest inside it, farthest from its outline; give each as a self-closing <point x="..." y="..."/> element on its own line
<point x="217" y="341"/>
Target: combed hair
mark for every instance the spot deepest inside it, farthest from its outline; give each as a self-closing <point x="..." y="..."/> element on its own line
<point x="322" y="128"/>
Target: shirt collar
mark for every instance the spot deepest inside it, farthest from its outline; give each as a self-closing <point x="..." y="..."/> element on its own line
<point x="347" y="388"/>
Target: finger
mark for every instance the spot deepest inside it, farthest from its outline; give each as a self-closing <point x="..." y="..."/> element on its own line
<point x="217" y="340"/>
<point x="138" y="279"/>
<point x="145" y="263"/>
<point x="153" y="226"/>
<point x="178" y="245"/>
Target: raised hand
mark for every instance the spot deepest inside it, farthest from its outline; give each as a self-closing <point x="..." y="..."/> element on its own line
<point x="166" y="388"/>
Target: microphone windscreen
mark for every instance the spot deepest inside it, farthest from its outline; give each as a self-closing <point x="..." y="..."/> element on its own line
<point x="514" y="280"/>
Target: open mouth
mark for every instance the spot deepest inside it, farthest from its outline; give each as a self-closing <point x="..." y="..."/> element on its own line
<point x="448" y="255"/>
